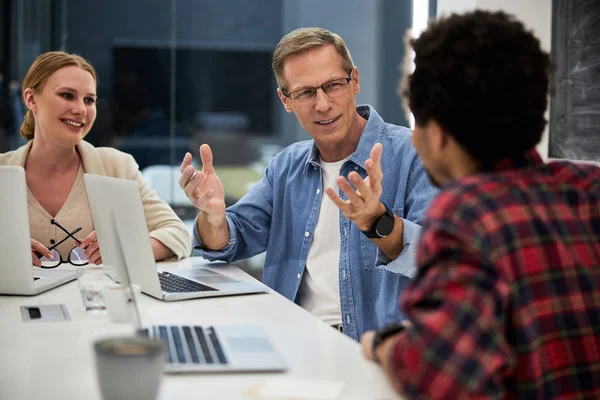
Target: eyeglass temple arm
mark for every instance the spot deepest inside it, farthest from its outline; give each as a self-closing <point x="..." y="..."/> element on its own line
<point x="55" y="245"/>
<point x="69" y="234"/>
<point x="54" y="222"/>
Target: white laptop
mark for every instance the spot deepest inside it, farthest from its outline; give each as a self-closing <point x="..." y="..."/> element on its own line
<point x="113" y="199"/>
<point x="195" y="348"/>
<point x="17" y="273"/>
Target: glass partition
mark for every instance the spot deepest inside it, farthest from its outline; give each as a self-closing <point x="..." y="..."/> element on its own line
<point x="175" y="74"/>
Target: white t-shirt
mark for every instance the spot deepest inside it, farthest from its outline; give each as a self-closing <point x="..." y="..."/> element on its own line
<point x="319" y="291"/>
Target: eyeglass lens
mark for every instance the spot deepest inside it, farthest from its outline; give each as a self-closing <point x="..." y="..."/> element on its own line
<point x="76" y="257"/>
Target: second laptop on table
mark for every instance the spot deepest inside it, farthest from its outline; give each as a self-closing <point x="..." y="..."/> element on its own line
<point x="112" y="200"/>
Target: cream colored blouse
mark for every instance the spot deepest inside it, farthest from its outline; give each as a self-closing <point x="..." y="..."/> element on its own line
<point x="74" y="213"/>
<point x="163" y="224"/>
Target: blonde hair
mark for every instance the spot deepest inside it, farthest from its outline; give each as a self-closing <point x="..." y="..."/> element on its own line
<point x="42" y="68"/>
<point x="304" y="39"/>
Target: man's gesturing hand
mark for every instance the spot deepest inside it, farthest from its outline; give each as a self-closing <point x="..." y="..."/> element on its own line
<point x="363" y="205"/>
<point x="203" y="188"/>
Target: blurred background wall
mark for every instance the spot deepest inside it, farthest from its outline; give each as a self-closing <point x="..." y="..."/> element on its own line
<point x="173" y="74"/>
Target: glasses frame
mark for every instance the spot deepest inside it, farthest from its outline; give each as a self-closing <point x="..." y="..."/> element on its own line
<point x="323" y="87"/>
<point x="69" y="235"/>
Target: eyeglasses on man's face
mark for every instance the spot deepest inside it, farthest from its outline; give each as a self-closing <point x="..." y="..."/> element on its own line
<point x="76" y="255"/>
<point x="332" y="88"/>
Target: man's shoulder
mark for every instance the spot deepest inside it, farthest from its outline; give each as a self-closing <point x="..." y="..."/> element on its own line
<point x="384" y="131"/>
<point x="294" y="153"/>
<point x="466" y="200"/>
<point x="299" y="147"/>
<point x="397" y="138"/>
<point x="583" y="174"/>
<point x="480" y="196"/>
<point x="395" y="132"/>
<point x="376" y="124"/>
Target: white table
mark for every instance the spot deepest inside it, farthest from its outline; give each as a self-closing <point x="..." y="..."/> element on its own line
<point x="54" y="360"/>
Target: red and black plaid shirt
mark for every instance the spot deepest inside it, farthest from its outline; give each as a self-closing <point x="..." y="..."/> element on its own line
<point x="506" y="301"/>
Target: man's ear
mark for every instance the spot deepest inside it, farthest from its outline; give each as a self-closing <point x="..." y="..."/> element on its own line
<point x="438" y="137"/>
<point x="356" y="80"/>
<point x="284" y="100"/>
<point x="29" y="99"/>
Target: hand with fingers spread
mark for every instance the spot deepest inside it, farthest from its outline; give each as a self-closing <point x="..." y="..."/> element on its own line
<point x="363" y="206"/>
<point x="92" y="249"/>
<point x="203" y="188"/>
<point x="39" y="250"/>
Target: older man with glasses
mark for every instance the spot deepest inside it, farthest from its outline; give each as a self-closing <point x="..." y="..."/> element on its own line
<point x="329" y="253"/>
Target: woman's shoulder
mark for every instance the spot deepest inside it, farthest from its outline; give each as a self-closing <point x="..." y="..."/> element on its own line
<point x="7" y="158"/>
<point x="114" y="162"/>
<point x="111" y="154"/>
<point x="14" y="157"/>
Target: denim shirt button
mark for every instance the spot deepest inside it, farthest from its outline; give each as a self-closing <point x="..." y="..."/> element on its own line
<point x="356" y="167"/>
<point x="318" y="191"/>
<point x="306" y="234"/>
<point x="299" y="275"/>
<point x="315" y="167"/>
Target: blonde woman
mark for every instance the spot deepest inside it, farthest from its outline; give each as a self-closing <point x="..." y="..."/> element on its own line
<point x="60" y="93"/>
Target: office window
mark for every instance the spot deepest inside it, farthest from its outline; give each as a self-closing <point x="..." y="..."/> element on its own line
<point x="178" y="73"/>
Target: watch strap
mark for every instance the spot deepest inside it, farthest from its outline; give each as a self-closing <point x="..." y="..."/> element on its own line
<point x="382" y="334"/>
<point x="372" y="233"/>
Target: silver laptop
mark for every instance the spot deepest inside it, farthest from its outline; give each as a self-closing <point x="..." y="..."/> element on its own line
<point x="113" y="199"/>
<point x="218" y="348"/>
<point x="17" y="274"/>
<point x="195" y="348"/>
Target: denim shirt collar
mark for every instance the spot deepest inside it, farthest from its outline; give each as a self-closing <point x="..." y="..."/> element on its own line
<point x="370" y="135"/>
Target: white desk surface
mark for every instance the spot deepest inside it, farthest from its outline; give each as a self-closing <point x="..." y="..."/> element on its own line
<point x="54" y="360"/>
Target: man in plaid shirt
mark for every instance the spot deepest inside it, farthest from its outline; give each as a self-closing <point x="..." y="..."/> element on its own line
<point x="506" y="301"/>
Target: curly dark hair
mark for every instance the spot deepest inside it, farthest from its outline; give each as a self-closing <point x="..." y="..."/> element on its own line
<point x="484" y="79"/>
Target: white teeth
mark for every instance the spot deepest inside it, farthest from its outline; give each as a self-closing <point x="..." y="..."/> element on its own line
<point x="327" y="121"/>
<point x="73" y="123"/>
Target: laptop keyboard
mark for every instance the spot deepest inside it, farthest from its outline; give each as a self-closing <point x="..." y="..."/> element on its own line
<point x="189" y="344"/>
<point x="176" y="284"/>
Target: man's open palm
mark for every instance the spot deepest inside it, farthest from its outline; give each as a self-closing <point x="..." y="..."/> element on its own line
<point x="203" y="188"/>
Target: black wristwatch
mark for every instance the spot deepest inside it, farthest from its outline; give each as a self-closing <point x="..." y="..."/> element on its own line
<point x="383" y="225"/>
<point x="382" y="334"/>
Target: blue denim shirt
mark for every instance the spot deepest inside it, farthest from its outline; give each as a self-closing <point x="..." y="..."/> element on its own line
<point x="279" y="214"/>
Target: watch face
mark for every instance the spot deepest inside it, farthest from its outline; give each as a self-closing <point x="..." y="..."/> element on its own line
<point x="384" y="225"/>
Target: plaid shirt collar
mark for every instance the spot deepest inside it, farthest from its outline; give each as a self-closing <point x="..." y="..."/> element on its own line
<point x="528" y="159"/>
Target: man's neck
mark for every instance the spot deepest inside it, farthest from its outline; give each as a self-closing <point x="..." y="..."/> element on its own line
<point x="340" y="151"/>
<point x="463" y="165"/>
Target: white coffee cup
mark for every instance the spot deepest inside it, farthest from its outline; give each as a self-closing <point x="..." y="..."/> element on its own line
<point x="117" y="299"/>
